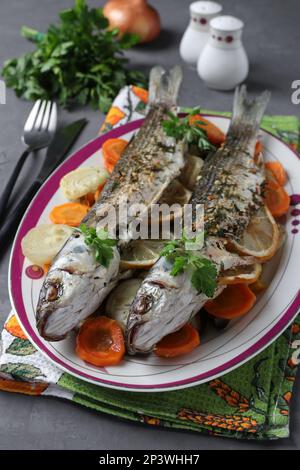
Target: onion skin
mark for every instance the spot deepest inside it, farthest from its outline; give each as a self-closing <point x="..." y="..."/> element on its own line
<point x="134" y="16"/>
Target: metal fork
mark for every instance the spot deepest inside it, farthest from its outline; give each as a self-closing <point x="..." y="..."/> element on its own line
<point x="38" y="133"/>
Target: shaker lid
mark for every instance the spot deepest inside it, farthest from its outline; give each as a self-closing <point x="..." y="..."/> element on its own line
<point x="226" y="23"/>
<point x="205" y="8"/>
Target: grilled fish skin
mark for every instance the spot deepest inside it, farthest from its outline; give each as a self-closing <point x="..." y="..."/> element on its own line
<point x="76" y="284"/>
<point x="231" y="189"/>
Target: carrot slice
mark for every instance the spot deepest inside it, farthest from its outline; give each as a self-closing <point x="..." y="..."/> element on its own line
<point x="100" y="342"/>
<point x="98" y="192"/>
<point x="180" y="342"/>
<point x="70" y="213"/>
<point x="46" y="268"/>
<point x="234" y="301"/>
<point x="88" y="199"/>
<point x="277" y="199"/>
<point x="277" y="171"/>
<point x="112" y="150"/>
<point x="214" y="134"/>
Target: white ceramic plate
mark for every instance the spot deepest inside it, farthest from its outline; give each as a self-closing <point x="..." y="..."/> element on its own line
<point x="220" y="351"/>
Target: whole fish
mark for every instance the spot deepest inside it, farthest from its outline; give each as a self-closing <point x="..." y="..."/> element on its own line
<point x="76" y="283"/>
<point x="230" y="187"/>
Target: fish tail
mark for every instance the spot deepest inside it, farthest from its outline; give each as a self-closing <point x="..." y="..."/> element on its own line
<point x="163" y="86"/>
<point x="248" y="112"/>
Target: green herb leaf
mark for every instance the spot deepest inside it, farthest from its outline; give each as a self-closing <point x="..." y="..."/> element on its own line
<point x="180" y="128"/>
<point x="204" y="271"/>
<point x="79" y="61"/>
<point x="100" y="243"/>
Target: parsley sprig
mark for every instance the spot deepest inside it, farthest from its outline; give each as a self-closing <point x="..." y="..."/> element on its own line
<point x="100" y="243"/>
<point x="182" y="128"/>
<point x="78" y="61"/>
<point x="204" y="271"/>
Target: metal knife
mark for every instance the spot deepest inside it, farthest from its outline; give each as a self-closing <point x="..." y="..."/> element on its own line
<point x="57" y="151"/>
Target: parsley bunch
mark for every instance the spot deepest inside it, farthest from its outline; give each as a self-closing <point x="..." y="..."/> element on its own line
<point x="79" y="61"/>
<point x="204" y="271"/>
<point x="181" y="128"/>
<point x="100" y="243"/>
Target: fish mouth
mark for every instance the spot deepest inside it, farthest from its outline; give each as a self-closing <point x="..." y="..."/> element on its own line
<point x="141" y="306"/>
<point x="51" y="292"/>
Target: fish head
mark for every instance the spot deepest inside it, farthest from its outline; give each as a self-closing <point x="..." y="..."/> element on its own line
<point x="73" y="289"/>
<point x="162" y="305"/>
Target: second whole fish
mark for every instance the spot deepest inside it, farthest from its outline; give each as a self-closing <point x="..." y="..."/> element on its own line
<point x="231" y="189"/>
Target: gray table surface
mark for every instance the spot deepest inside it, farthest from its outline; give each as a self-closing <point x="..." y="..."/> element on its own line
<point x="272" y="37"/>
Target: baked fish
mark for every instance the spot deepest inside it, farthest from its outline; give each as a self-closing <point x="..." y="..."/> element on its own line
<point x="76" y="283"/>
<point x="231" y="189"/>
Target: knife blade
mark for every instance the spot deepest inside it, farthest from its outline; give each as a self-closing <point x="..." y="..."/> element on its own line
<point x="59" y="147"/>
<point x="57" y="151"/>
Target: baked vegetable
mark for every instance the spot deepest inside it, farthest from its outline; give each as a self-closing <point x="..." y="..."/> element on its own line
<point x="70" y="213"/>
<point x="82" y="181"/>
<point x="180" y="342"/>
<point x="42" y="243"/>
<point x="100" y="342"/>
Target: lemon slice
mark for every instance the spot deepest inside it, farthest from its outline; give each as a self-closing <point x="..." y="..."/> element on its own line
<point x="177" y="194"/>
<point x="261" y="239"/>
<point x="191" y="171"/>
<point x="241" y="274"/>
<point x="141" y="254"/>
<point x="119" y="301"/>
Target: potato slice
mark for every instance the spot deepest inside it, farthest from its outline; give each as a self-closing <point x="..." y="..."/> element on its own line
<point x="82" y="181"/>
<point x="42" y="243"/>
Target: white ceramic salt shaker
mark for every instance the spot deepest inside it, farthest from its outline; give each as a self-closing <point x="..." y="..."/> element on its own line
<point x="197" y="32"/>
<point x="223" y="63"/>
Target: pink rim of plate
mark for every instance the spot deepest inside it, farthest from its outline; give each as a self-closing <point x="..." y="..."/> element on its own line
<point x="31" y="218"/>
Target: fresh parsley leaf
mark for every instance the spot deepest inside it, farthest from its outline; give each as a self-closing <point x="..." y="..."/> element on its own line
<point x="180" y="263"/>
<point x="204" y="271"/>
<point x="79" y="61"/>
<point x="100" y="243"/>
<point x="181" y="128"/>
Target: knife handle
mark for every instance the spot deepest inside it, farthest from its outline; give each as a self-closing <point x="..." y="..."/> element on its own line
<point x="9" y="227"/>
<point x="11" y="182"/>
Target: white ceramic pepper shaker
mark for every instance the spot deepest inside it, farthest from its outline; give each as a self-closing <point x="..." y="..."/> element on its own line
<point x="223" y="63"/>
<point x="197" y="32"/>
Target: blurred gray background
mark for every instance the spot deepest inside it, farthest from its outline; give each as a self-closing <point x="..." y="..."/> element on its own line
<point x="272" y="38"/>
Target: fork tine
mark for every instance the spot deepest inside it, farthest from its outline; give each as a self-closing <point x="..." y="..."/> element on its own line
<point x="39" y="119"/>
<point x="46" y="117"/>
<point x="32" y="116"/>
<point x="53" y="118"/>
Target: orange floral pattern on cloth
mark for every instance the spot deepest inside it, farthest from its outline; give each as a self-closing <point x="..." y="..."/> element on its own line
<point x="150" y="420"/>
<point x="28" y="388"/>
<point x="13" y="327"/>
<point x="232" y="397"/>
<point x="113" y="117"/>
<point x="229" y="422"/>
<point x="141" y="93"/>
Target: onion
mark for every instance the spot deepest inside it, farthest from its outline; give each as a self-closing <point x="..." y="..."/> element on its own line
<point x="134" y="16"/>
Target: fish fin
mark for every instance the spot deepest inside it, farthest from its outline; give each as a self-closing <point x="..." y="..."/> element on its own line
<point x="248" y="112"/>
<point x="163" y="86"/>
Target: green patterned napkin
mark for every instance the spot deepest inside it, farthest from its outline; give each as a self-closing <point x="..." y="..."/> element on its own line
<point x="252" y="402"/>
